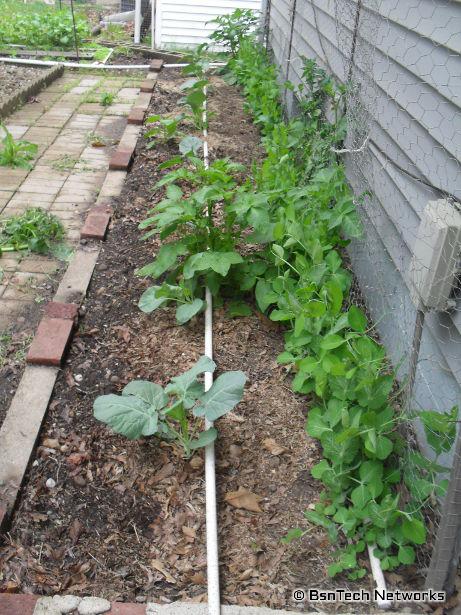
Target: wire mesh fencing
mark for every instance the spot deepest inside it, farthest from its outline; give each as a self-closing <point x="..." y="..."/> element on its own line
<point x="400" y="63"/>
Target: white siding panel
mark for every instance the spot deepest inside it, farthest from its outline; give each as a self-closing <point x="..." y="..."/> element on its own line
<point x="184" y="24"/>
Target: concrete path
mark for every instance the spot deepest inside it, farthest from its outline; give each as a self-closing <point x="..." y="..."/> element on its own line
<point x="76" y="136"/>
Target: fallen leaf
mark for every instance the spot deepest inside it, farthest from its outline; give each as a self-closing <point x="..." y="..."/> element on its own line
<point x="198" y="578"/>
<point x="244" y="499"/>
<point x="189" y="531"/>
<point x="167" y="471"/>
<point x="50" y="443"/>
<point x="75" y="459"/>
<point x="157" y="564"/>
<point x="274" y="449"/>
<point x="75" y="530"/>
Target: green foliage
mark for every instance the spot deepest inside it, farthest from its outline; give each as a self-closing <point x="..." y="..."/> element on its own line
<point x="107" y="98"/>
<point x="173" y="413"/>
<point x="165" y="129"/>
<point x="40" y="26"/>
<point x="34" y="230"/>
<point x="232" y="28"/>
<point x="16" y="152"/>
<point x="303" y="211"/>
<point x="201" y="249"/>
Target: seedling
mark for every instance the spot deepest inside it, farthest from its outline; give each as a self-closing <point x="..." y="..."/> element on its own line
<point x="16" y="153"/>
<point x="173" y="413"/>
<point x="106" y="99"/>
<point x="166" y="128"/>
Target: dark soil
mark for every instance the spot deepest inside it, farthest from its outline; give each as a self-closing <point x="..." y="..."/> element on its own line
<point x="12" y="78"/>
<point x="126" y="519"/>
<point x="15" y="342"/>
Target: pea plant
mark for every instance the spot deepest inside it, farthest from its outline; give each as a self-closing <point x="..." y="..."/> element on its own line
<point x="174" y="413"/>
<point x="307" y="216"/>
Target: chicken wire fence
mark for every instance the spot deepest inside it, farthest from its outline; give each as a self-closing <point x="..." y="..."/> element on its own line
<point x="400" y="63"/>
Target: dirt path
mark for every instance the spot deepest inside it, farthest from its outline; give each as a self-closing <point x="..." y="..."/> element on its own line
<point x="65" y="120"/>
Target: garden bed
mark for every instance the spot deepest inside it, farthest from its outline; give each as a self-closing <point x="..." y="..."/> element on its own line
<point x="126" y="519"/>
<point x="13" y="78"/>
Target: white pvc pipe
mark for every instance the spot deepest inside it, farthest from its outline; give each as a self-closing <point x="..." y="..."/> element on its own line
<point x="378" y="576"/>
<point x="212" y="554"/>
<point x="179" y="65"/>
<point x="137" y="22"/>
<point x="74" y="64"/>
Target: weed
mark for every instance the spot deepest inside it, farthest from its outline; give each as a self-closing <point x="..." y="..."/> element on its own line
<point x="34" y="230"/>
<point x="16" y="152"/>
<point x="106" y="99"/>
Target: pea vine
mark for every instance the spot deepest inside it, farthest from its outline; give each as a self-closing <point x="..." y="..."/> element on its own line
<point x="370" y="496"/>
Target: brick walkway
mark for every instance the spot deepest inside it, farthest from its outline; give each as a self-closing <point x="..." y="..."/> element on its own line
<point x="76" y="137"/>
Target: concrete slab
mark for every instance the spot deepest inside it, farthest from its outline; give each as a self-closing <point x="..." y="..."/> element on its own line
<point x="21" y="427"/>
<point x="76" y="280"/>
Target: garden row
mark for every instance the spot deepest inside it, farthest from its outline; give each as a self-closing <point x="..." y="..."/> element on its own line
<point x="129" y="515"/>
<point x="125" y="519"/>
<point x="281" y="234"/>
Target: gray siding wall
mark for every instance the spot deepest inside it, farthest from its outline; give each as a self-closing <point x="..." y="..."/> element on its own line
<point x="408" y="69"/>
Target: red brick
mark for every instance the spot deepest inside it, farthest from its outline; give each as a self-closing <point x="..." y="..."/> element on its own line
<point x="17" y="604"/>
<point x="50" y="341"/>
<point x="121" y="159"/>
<point x="67" y="311"/>
<point x="102" y="208"/>
<point x="148" y="85"/>
<point x="136" y="116"/>
<point x="119" y="608"/>
<point x="95" y="226"/>
<point x="156" y="65"/>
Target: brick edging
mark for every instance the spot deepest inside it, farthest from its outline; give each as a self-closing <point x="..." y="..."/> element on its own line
<point x="23" y="94"/>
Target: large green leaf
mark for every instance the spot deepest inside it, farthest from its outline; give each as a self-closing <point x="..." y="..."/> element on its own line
<point x="166" y="257"/>
<point x="149" y="300"/>
<point x="127" y="415"/>
<point x="205" y="438"/>
<point x="149" y="392"/>
<point x="414" y="530"/>
<point x="183" y="385"/>
<point x="216" y="261"/>
<point x="224" y="394"/>
<point x="186" y="311"/>
<point x="357" y="319"/>
<point x="265" y="296"/>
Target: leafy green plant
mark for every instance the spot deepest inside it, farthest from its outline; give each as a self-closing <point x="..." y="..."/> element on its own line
<point x="16" y="152"/>
<point x="303" y="212"/>
<point x="174" y="413"/>
<point x="39" y="26"/>
<point x="232" y="28"/>
<point x="34" y="230"/>
<point x="202" y="248"/>
<point x="165" y="129"/>
<point x="106" y="99"/>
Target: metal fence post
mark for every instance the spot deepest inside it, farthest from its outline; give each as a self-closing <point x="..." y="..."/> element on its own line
<point x="447" y="550"/>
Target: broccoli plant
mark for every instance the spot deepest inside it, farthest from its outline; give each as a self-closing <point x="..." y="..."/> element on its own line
<point x="173" y="413"/>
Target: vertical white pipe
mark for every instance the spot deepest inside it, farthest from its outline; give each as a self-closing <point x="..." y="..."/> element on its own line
<point x="214" y="597"/>
<point x="378" y="576"/>
<point x="137" y="22"/>
<point x="152" y="24"/>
